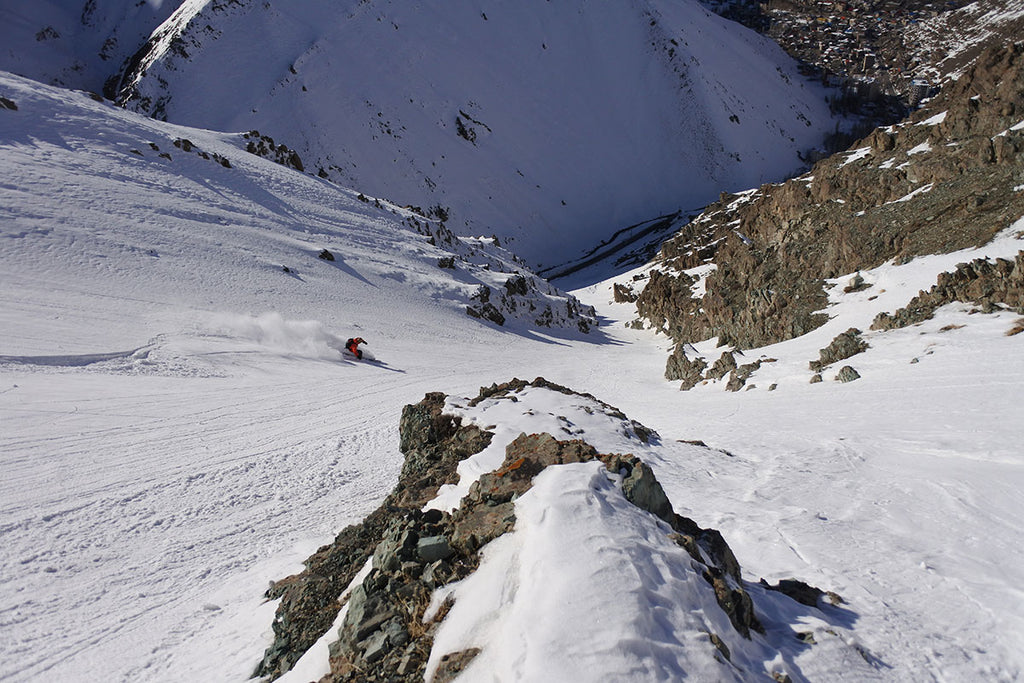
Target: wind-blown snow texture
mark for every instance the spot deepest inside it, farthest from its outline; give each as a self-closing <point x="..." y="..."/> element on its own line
<point x="549" y="124"/>
<point x="177" y="428"/>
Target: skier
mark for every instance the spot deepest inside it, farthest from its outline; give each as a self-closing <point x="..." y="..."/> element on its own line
<point x="352" y="346"/>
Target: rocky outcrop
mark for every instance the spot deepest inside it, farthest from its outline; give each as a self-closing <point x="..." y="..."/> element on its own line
<point x="681" y="367"/>
<point x="623" y="294"/>
<point x="847" y="374"/>
<point x="939" y="182"/>
<point x="507" y="290"/>
<point x="264" y="146"/>
<point x="483" y="308"/>
<point x="511" y="388"/>
<point x="845" y="345"/>
<point x="738" y="376"/>
<point x="693" y="371"/>
<point x="803" y="593"/>
<point x="387" y="631"/>
<point x="186" y="145"/>
<point x="520" y="297"/>
<point x="384" y="637"/>
<point x="986" y="283"/>
<point x="433" y="444"/>
<point x="725" y="364"/>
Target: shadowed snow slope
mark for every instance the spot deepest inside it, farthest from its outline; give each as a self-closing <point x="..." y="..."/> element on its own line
<point x="177" y="427"/>
<point x="76" y="43"/>
<point x="550" y="124"/>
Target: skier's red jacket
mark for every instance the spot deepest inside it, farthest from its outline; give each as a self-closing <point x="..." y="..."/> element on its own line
<point x="353" y="346"/>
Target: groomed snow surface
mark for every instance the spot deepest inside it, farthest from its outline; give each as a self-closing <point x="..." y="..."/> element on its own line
<point x="177" y="428"/>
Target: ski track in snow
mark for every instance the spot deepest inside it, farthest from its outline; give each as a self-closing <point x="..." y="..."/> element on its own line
<point x="174" y="487"/>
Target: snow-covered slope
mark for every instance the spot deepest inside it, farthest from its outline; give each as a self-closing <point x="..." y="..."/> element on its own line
<point x="552" y="125"/>
<point x="195" y="200"/>
<point x="76" y="43"/>
<point x="176" y="429"/>
<point x="139" y="281"/>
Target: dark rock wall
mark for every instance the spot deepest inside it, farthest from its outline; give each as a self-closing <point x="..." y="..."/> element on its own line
<point x="911" y="190"/>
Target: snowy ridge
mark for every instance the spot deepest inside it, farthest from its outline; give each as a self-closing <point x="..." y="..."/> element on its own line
<point x="597" y="578"/>
<point x="590" y="587"/>
<point x="548" y="125"/>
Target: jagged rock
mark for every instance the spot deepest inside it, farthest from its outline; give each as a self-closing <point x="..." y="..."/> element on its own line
<point x="847" y="374"/>
<point x="8" y="104"/>
<point x="433" y="444"/>
<point x="735" y="602"/>
<point x="386" y="610"/>
<point x="642" y="489"/>
<point x="463" y="131"/>
<point x="264" y="146"/>
<point x="981" y="281"/>
<point x="667" y="302"/>
<point x="623" y="293"/>
<point x="725" y="364"/>
<point x="384" y="636"/>
<point x="517" y="285"/>
<point x="803" y="593"/>
<point x="511" y="388"/>
<point x="682" y="368"/>
<point x="844" y="217"/>
<point x="845" y="345"/>
<point x="739" y="376"/>
<point x="325" y="255"/>
<point x="816" y="378"/>
<point x="487" y="311"/>
<point x="188" y="146"/>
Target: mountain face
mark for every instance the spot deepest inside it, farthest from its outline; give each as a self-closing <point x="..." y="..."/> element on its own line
<point x="184" y="186"/>
<point x="751" y="269"/>
<point x="76" y="43"/>
<point x="551" y="126"/>
<point x="945" y="46"/>
<point x="152" y="487"/>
